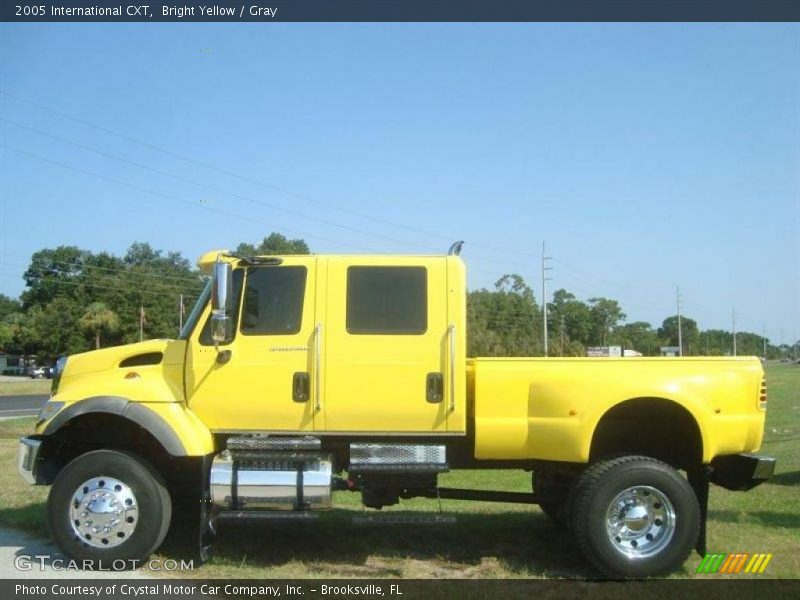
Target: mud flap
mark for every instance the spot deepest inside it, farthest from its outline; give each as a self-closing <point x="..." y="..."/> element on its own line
<point x="700" y="478"/>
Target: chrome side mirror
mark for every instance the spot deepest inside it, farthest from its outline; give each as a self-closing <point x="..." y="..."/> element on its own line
<point x="221" y="302"/>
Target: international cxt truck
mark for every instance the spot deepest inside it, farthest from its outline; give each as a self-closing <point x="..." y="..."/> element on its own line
<point x="297" y="376"/>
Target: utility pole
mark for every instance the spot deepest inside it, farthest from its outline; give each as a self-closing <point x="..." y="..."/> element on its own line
<point x="180" y="314"/>
<point x="733" y="328"/>
<point x="141" y="323"/>
<point x="562" y="335"/>
<point x="545" y="279"/>
<point x="706" y="343"/>
<point x="679" y="302"/>
<point x="764" y="339"/>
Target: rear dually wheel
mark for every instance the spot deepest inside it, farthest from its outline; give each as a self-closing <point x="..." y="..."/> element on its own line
<point x="634" y="516"/>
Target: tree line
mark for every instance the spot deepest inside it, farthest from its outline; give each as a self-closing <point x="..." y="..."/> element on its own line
<point x="507" y="321"/>
<point x="76" y="300"/>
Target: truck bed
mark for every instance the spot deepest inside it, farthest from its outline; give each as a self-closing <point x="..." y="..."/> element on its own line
<point x="549" y="408"/>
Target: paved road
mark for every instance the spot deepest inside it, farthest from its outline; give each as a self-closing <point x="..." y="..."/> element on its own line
<point x="21" y="406"/>
<point x="16" y="548"/>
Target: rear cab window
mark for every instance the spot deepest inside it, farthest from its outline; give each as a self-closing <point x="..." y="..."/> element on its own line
<point x="387" y="300"/>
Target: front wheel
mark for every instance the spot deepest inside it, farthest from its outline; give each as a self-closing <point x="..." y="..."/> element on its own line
<point x="634" y="516"/>
<point x="109" y="508"/>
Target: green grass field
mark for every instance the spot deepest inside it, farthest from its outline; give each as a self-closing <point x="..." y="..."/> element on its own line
<point x="488" y="541"/>
<point x="25" y="386"/>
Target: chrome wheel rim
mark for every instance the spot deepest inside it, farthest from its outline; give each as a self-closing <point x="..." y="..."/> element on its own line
<point x="640" y="521"/>
<point x="103" y="512"/>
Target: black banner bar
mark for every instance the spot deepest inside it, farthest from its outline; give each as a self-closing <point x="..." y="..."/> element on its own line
<point x="389" y="589"/>
<point x="402" y="11"/>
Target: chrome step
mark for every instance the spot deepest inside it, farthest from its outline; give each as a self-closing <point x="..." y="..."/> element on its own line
<point x="404" y="519"/>
<point x="413" y="468"/>
<point x="268" y="515"/>
<point x="263" y="443"/>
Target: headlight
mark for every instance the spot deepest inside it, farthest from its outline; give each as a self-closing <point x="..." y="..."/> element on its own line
<point x="49" y="409"/>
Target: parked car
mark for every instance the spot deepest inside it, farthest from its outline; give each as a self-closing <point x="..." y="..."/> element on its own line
<point x="41" y="373"/>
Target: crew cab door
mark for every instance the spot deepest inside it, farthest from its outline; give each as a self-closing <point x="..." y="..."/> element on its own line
<point x="385" y="341"/>
<point x="261" y="379"/>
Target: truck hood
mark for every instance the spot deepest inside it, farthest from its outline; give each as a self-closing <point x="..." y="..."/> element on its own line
<point x="110" y="358"/>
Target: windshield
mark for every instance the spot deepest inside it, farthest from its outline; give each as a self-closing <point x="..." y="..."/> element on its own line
<point x="195" y="314"/>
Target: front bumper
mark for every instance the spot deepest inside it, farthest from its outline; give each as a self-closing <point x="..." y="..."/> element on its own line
<point x="26" y="459"/>
<point x="741" y="472"/>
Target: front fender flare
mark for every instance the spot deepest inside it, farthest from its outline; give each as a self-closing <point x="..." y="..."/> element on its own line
<point x="147" y="419"/>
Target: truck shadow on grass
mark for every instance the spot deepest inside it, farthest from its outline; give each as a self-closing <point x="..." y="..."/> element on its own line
<point x="497" y="544"/>
<point x="512" y="544"/>
<point x="789" y="478"/>
<point x="31" y="518"/>
<point x="478" y="545"/>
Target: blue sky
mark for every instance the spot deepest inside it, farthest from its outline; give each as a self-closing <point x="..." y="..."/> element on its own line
<point x="646" y="155"/>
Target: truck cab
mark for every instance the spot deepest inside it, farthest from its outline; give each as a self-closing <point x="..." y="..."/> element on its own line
<point x="319" y="344"/>
<point x="297" y="376"/>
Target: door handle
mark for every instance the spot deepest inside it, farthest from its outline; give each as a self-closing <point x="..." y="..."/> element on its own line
<point x="318" y="367"/>
<point x="301" y="386"/>
<point x="452" y="366"/>
<point x="434" y="387"/>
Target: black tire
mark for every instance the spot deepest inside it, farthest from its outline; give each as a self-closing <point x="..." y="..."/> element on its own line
<point x="154" y="509"/>
<point x="548" y="484"/>
<point x="594" y="494"/>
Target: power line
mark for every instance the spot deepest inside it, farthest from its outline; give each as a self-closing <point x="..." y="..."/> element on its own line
<point x="183" y="200"/>
<point x="579" y="286"/>
<point x="287" y="192"/>
<point x="213" y="188"/>
<point x="510" y="316"/>
<point x="166" y="287"/>
<point x="209" y="208"/>
<point x="161" y="287"/>
<point x="82" y="265"/>
<point x="104" y="287"/>
<point x="239" y="196"/>
<point x="263" y="184"/>
<point x="240" y="176"/>
<point x="271" y="187"/>
<point x="591" y="276"/>
<point x="610" y="284"/>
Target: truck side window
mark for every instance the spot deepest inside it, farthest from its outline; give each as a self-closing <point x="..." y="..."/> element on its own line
<point x="205" y="334"/>
<point x="273" y="300"/>
<point x="387" y="300"/>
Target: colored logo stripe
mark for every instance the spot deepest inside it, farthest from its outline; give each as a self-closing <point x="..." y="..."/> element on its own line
<point x="710" y="563"/>
<point x="734" y="563"/>
<point x="758" y="563"/>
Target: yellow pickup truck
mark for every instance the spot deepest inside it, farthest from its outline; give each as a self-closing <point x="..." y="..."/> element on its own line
<point x="297" y="376"/>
